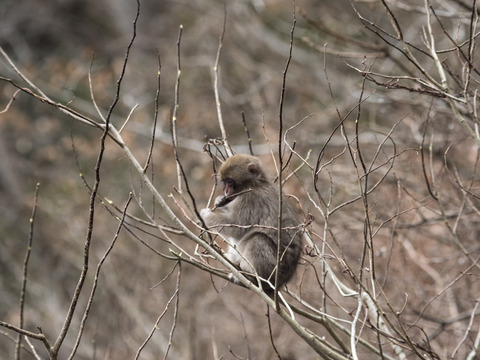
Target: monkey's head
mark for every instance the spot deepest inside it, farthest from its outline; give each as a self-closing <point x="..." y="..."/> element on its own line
<point x="241" y="172"/>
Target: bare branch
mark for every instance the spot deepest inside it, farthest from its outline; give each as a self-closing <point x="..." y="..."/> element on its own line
<point x="25" y="272"/>
<point x="218" y="104"/>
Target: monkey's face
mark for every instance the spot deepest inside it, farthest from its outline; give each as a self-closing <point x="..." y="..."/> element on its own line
<point x="229" y="187"/>
<point x="229" y="193"/>
<point x="240" y="173"/>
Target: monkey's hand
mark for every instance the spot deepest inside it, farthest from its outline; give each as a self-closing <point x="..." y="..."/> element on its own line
<point x="220" y="201"/>
<point x="204" y="213"/>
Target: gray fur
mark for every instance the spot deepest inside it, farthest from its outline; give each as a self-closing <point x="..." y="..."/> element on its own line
<point x="253" y="242"/>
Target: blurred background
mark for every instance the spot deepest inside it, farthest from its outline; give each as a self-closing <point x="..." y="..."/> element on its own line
<point x="57" y="43"/>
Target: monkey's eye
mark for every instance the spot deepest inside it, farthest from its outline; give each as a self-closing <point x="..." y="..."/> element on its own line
<point x="229" y="183"/>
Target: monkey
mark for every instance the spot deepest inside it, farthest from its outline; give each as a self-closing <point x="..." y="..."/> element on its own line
<point x="246" y="216"/>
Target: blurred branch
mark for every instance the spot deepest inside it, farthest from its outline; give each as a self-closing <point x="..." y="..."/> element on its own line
<point x="247" y="132"/>
<point x="218" y="104"/>
<point x="175" y="112"/>
<point x="155" y="116"/>
<point x="95" y="280"/>
<point x="155" y="327"/>
<point x="280" y="154"/>
<point x="467" y="331"/>
<point x="92" y="96"/>
<point x="25" y="273"/>
<point x="83" y="274"/>
<point x="12" y="99"/>
<point x="38" y="336"/>
<point x="443" y="79"/>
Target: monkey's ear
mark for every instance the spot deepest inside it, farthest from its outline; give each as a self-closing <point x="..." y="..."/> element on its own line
<point x="253" y="169"/>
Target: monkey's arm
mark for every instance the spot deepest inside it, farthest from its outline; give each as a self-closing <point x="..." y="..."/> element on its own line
<point x="219" y="215"/>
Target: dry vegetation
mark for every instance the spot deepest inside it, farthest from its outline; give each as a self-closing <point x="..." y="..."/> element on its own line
<point x="378" y="125"/>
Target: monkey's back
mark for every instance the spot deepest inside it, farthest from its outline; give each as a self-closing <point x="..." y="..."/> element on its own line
<point x="264" y="221"/>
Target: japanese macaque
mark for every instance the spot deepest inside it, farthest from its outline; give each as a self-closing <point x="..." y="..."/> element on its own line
<point x="247" y="218"/>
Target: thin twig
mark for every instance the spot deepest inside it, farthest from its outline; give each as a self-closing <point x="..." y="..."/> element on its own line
<point x="12" y="99"/>
<point x="272" y="340"/>
<point x="173" y="123"/>
<point x="218" y="104"/>
<point x="175" y="314"/>
<point x="129" y="116"/>
<point x="280" y="155"/>
<point x="155" y="327"/>
<point x="181" y="175"/>
<point x="467" y="331"/>
<point x="38" y="336"/>
<point x="95" y="280"/>
<point x="247" y="132"/>
<point x="25" y="273"/>
<point x="32" y="348"/>
<point x="21" y="75"/>
<point x="64" y="109"/>
<point x="86" y="253"/>
<point x="92" y="96"/>
<point x="68" y="319"/>
<point x="155" y="117"/>
<point x="443" y="80"/>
